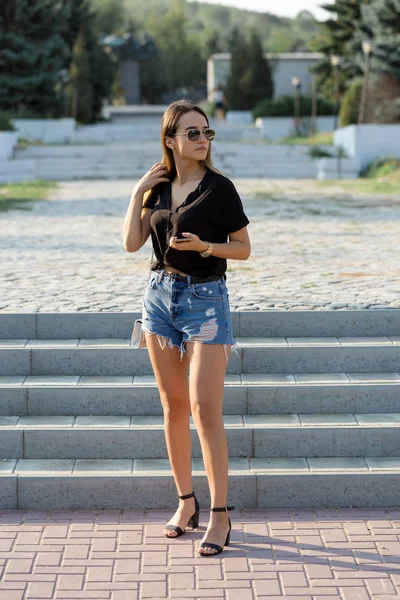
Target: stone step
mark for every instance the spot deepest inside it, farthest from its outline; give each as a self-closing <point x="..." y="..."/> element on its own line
<point x="249" y="436"/>
<point x="64" y="395"/>
<point x="271" y="324"/>
<point x="254" y="356"/>
<point x="304" y="482"/>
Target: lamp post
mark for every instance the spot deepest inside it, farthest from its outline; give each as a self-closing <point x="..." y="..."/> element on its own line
<point x="335" y="62"/>
<point x="367" y="47"/>
<point x="314" y="106"/>
<point x="297" y="84"/>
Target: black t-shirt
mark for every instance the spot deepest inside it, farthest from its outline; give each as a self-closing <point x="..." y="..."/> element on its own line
<point x="211" y="211"/>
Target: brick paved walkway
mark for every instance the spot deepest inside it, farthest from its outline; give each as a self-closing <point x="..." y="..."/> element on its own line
<point x="351" y="554"/>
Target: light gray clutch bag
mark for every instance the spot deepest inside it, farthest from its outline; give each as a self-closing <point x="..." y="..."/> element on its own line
<point x="138" y="339"/>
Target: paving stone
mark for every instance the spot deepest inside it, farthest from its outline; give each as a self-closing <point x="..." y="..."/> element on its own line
<point x="279" y="205"/>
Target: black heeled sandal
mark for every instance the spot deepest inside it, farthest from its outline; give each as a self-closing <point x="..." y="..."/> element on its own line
<point x="228" y="537"/>
<point x="193" y="521"/>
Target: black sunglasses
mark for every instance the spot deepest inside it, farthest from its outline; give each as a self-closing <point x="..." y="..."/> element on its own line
<point x="194" y="134"/>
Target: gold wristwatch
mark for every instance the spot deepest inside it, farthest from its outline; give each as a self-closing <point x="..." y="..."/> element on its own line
<point x="207" y="252"/>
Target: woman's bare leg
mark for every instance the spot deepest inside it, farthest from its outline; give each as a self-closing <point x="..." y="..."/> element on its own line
<point x="173" y="383"/>
<point x="206" y="388"/>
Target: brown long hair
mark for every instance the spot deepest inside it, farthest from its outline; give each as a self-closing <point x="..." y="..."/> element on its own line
<point x="169" y="125"/>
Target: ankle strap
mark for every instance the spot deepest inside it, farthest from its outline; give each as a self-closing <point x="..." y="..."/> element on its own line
<point x="223" y="508"/>
<point x="187" y="496"/>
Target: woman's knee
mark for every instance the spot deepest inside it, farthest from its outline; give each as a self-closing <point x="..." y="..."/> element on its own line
<point x="175" y="406"/>
<point x="205" y="415"/>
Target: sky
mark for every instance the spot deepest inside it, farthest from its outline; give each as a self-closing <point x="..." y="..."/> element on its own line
<point x="287" y="8"/>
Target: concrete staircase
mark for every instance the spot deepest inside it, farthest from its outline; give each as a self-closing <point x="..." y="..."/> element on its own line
<point x="311" y="408"/>
<point x="131" y="160"/>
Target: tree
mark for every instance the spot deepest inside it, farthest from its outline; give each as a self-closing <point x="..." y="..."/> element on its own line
<point x="179" y="63"/>
<point x="235" y="93"/>
<point x="91" y="70"/>
<point x="257" y="81"/>
<point x="336" y="37"/>
<point x="381" y="22"/>
<point x="33" y="52"/>
<point x="250" y="77"/>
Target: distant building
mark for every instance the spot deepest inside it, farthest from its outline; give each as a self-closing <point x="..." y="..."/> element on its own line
<point x="285" y="65"/>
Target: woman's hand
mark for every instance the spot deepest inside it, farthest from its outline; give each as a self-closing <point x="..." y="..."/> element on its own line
<point x="153" y="176"/>
<point x="192" y="242"/>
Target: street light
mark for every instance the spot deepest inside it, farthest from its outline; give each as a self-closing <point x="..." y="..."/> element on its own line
<point x="367" y="47"/>
<point x="335" y="62"/>
<point x="297" y="85"/>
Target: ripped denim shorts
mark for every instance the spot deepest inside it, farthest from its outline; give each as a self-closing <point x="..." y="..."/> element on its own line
<point x="180" y="311"/>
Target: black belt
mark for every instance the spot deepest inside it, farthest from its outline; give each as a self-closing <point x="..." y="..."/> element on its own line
<point x="179" y="277"/>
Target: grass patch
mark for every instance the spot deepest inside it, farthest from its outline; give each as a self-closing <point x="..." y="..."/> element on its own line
<point x="380" y="177"/>
<point x="16" y="195"/>
<point x="323" y="138"/>
<point x="27" y="143"/>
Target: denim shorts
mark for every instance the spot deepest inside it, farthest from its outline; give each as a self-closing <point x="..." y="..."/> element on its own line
<point x="181" y="311"/>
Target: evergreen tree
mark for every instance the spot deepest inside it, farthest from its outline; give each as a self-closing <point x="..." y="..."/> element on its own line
<point x="250" y="77"/>
<point x="257" y="81"/>
<point x="336" y="37"/>
<point x="32" y="55"/>
<point x="381" y="22"/>
<point x="235" y="94"/>
<point x="91" y="70"/>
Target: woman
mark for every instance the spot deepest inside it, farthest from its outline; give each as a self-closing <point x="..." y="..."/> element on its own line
<point x="189" y="208"/>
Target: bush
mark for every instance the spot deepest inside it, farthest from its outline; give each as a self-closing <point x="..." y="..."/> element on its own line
<point x="283" y="106"/>
<point x="381" y="167"/>
<point x="6" y="123"/>
<point x="348" y="114"/>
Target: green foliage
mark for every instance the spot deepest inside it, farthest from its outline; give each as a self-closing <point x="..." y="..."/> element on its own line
<point x="206" y="21"/>
<point x="91" y="70"/>
<point x="337" y="36"/>
<point x="382" y="168"/>
<point x="284" y="106"/>
<point x="380" y="20"/>
<point x="250" y="77"/>
<point x="179" y="63"/>
<point x="318" y="152"/>
<point x="32" y="54"/>
<point x="349" y="108"/>
<point x="6" y="123"/>
<point x="351" y="23"/>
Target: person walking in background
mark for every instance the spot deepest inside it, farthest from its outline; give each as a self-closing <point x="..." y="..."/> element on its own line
<point x="190" y="209"/>
<point x="220" y="103"/>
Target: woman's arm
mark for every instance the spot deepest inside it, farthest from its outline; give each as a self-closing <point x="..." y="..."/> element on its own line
<point x="133" y="225"/>
<point x="136" y="228"/>
<point x="238" y="247"/>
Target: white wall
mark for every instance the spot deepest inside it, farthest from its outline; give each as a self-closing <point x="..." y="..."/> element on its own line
<point x="46" y="130"/>
<point x="276" y="128"/>
<point x="369" y="142"/>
